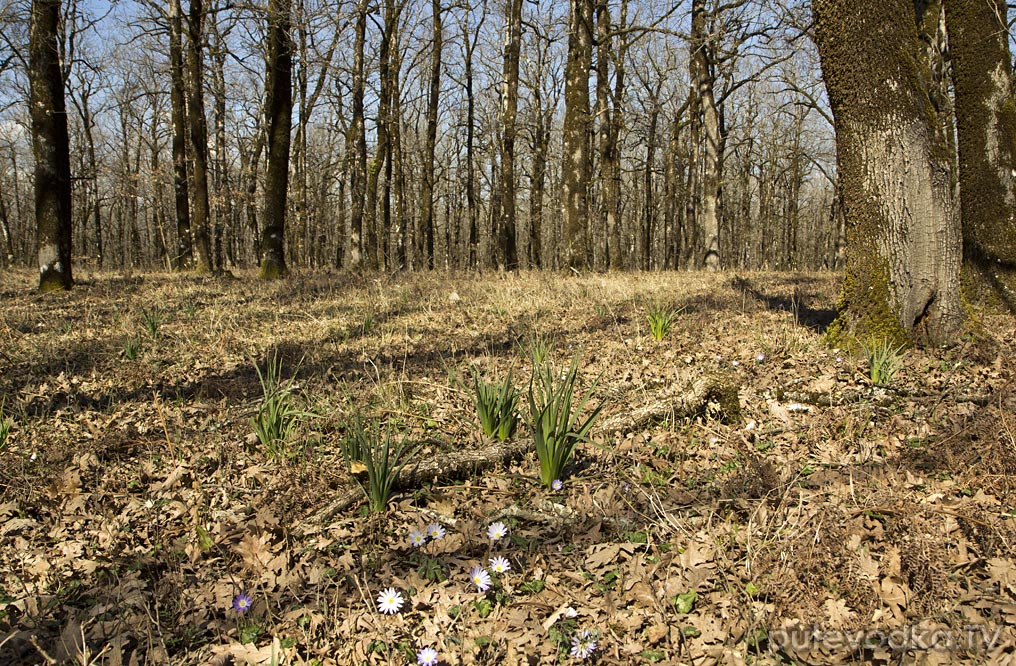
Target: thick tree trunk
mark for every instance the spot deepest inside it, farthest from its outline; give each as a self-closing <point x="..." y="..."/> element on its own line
<point x="509" y="111"/>
<point x="986" y="129"/>
<point x="184" y="259"/>
<point x="703" y="80"/>
<point x="51" y="148"/>
<point x="279" y="113"/>
<point x="198" y="139"/>
<point x="575" y="167"/>
<point x="903" y="253"/>
<point x="358" y="141"/>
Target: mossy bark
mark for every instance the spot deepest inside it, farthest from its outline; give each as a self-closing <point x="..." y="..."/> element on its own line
<point x="51" y="147"/>
<point x="903" y="236"/>
<point x="986" y="131"/>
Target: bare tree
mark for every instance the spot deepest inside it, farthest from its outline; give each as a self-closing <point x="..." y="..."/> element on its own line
<point x="433" y="101"/>
<point x="575" y="160"/>
<point x="51" y="147"/>
<point x="509" y="112"/>
<point x="201" y="211"/>
<point x="184" y="259"/>
<point x="279" y="113"/>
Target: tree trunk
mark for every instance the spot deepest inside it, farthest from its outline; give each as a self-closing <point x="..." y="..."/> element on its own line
<point x="538" y="179"/>
<point x="279" y="113"/>
<point x="198" y="139"/>
<point x="575" y="165"/>
<point x="903" y="240"/>
<point x="509" y="111"/>
<point x="184" y="259"/>
<point x="703" y="78"/>
<point x="51" y="148"/>
<point x="986" y="130"/>
<point x="433" y="102"/>
<point x="473" y="236"/>
<point x="607" y="134"/>
<point x="358" y="140"/>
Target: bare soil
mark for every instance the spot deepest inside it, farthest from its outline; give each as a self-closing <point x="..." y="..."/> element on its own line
<point x="816" y="518"/>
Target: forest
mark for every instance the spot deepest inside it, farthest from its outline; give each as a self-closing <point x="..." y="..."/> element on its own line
<point x="500" y="332"/>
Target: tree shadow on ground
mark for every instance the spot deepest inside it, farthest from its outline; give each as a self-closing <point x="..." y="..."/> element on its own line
<point x="803" y="291"/>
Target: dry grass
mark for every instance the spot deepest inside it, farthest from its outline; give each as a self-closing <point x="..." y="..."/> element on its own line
<point x="135" y="501"/>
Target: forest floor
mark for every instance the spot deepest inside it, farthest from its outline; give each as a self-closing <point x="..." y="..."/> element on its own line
<point x="817" y="519"/>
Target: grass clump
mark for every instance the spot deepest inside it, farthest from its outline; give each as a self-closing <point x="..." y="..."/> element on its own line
<point x="6" y="423"/>
<point x="374" y="455"/>
<point x="555" y="418"/>
<point x="661" y="318"/>
<point x="131" y="348"/>
<point x="884" y="360"/>
<point x="277" y="416"/>
<point x="152" y="319"/>
<point x="496" y="406"/>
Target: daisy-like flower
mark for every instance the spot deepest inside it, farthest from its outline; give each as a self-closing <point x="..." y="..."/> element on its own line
<point x="480" y="578"/>
<point x="497" y="531"/>
<point x="760" y="357"/>
<point x="500" y="565"/>
<point x="417" y="538"/>
<point x="556" y="484"/>
<point x="242" y="602"/>
<point x="583" y="644"/>
<point x="435" y="531"/>
<point x="735" y="363"/>
<point x="389" y="601"/>
<point x="427" y="657"/>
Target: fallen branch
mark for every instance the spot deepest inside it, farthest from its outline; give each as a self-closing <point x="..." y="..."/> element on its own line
<point x="715" y="395"/>
<point x="446" y="466"/>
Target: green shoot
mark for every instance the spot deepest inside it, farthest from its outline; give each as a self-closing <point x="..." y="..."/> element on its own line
<point x="884" y="361"/>
<point x="152" y="318"/>
<point x="6" y="423"/>
<point x="381" y="459"/>
<point x="660" y="317"/>
<point x="131" y="348"/>
<point x="496" y="406"/>
<point x="277" y="416"/>
<point x="555" y="422"/>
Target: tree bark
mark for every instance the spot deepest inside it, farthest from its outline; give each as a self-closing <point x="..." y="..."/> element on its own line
<point x="903" y="253"/>
<point x="51" y="147"/>
<point x="509" y="111"/>
<point x="703" y="79"/>
<point x="575" y="167"/>
<point x="986" y="131"/>
<point x="184" y="259"/>
<point x="433" y="102"/>
<point x="279" y="112"/>
<point x="198" y="138"/>
<point x="358" y="140"/>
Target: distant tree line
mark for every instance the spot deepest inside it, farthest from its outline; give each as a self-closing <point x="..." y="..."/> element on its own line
<point x="424" y="133"/>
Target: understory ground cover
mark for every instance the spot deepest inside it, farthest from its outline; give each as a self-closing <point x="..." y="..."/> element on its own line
<point x="747" y="494"/>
